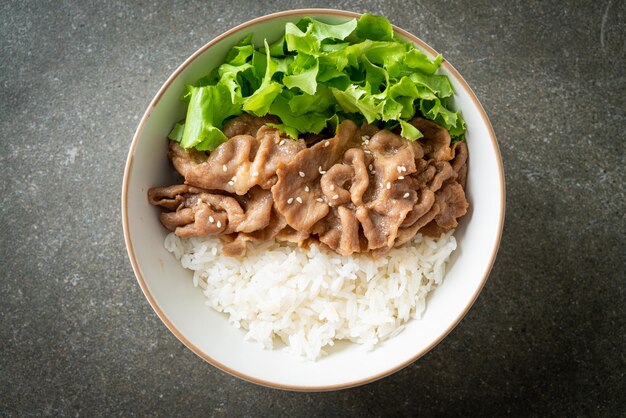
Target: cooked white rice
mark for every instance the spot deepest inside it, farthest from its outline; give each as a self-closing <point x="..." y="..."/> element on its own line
<point x="311" y="298"/>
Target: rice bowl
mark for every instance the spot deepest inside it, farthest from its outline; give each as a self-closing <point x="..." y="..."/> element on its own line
<point x="181" y="306"/>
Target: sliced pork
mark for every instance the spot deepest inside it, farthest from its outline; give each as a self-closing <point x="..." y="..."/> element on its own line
<point x="364" y="189"/>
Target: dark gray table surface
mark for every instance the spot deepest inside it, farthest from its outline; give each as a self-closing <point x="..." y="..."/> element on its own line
<point x="547" y="334"/>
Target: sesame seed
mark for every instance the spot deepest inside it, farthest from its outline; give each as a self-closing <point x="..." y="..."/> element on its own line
<point x="403" y="168"/>
<point x="326" y="143"/>
<point x="224" y="168"/>
<point x="367" y="151"/>
<point x="290" y="200"/>
<point x="320" y="170"/>
<point x="299" y="199"/>
<point x="373" y="171"/>
<point x="388" y="186"/>
<point x="232" y="183"/>
<point x="332" y="187"/>
<point x="406" y="195"/>
<point x="211" y="219"/>
<point x="319" y="199"/>
<point x="336" y="196"/>
<point x="219" y="224"/>
<point x="365" y="137"/>
<point x="234" y="178"/>
<point x="306" y="189"/>
<point x="281" y="142"/>
<point x="399" y="168"/>
<point x="401" y="178"/>
<point x="371" y="167"/>
<point x="301" y="173"/>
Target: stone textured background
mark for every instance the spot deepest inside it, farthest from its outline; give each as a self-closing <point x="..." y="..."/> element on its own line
<point x="77" y="337"/>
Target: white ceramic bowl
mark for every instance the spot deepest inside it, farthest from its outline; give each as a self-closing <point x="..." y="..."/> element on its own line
<point x="181" y="306"/>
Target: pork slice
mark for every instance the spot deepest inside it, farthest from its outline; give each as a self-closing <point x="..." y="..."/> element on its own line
<point x="200" y="213"/>
<point x="366" y="131"/>
<point x="257" y="204"/>
<point x="291" y="235"/>
<point x="297" y="193"/>
<point x="171" y="197"/>
<point x="219" y="170"/>
<point x="391" y="194"/>
<point x="425" y="202"/>
<point x="235" y="244"/>
<point x="172" y="220"/>
<point x="212" y="214"/>
<point x="452" y="203"/>
<point x="340" y="231"/>
<point x="246" y="124"/>
<point x="459" y="163"/>
<point x="443" y="172"/>
<point x="436" y="139"/>
<point x="406" y="234"/>
<point x="273" y="151"/>
<point x="375" y="227"/>
<point x="237" y="165"/>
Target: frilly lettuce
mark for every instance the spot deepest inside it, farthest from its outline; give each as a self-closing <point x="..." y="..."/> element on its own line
<point x="317" y="74"/>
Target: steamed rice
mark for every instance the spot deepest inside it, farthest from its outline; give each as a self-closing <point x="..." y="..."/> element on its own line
<point x="311" y="298"/>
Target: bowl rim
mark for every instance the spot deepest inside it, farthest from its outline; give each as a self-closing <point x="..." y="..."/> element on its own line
<point x="135" y="265"/>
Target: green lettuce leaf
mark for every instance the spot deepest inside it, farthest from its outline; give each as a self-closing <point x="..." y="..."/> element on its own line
<point x="376" y="28"/>
<point x="176" y="134"/>
<point x="284" y="129"/>
<point x="260" y="101"/>
<point x="355" y="99"/>
<point x="208" y="107"/>
<point x="317" y="74"/>
<point x="304" y="71"/>
<point x="312" y="122"/>
<point x="409" y="131"/>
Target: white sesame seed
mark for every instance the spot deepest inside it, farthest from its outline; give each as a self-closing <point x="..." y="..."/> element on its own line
<point x="406" y="195"/>
<point x="281" y="142"/>
<point x="290" y="200"/>
<point x="388" y="186"/>
<point x="301" y="173"/>
<point x="399" y="168"/>
<point x="332" y="187"/>
<point x="401" y="178"/>
<point x="319" y="199"/>
<point x="365" y="137"/>
<point x="224" y="168"/>
<point x="371" y="167"/>
<point x="326" y="143"/>
<point x="403" y="168"/>
<point x="234" y="178"/>
<point x="336" y="196"/>
<point x="219" y="224"/>
<point x="373" y="171"/>
<point x="306" y="189"/>
<point x="232" y="183"/>
<point x="299" y="199"/>
<point x="255" y="174"/>
<point x="320" y="170"/>
<point x="367" y="151"/>
<point x="211" y="219"/>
